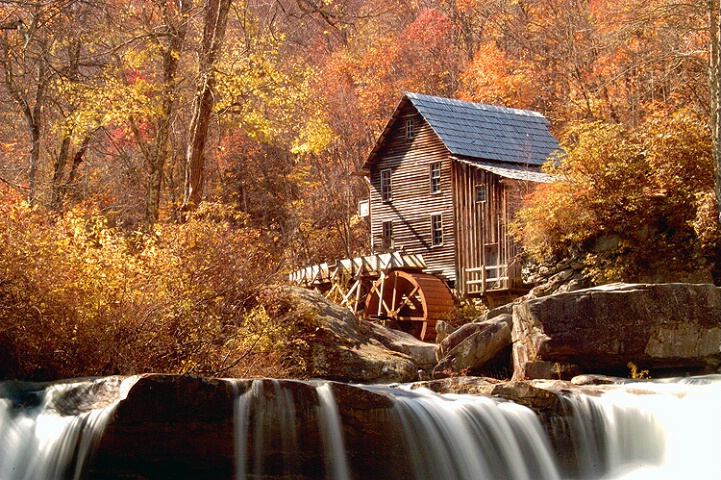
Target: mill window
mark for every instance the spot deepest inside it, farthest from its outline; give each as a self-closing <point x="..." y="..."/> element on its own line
<point x="480" y="193"/>
<point x="386" y="184"/>
<point x="437" y="230"/>
<point x="436" y="177"/>
<point x="388" y="234"/>
<point x="410" y="129"/>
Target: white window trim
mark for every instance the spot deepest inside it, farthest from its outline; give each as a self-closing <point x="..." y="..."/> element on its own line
<point x="434" y="192"/>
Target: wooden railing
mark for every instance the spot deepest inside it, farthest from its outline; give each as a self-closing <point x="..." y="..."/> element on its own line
<point x="486" y="279"/>
<point x="369" y="266"/>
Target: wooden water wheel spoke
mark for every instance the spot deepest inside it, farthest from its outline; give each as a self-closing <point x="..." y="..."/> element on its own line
<point x="395" y="312"/>
<point x="415" y="300"/>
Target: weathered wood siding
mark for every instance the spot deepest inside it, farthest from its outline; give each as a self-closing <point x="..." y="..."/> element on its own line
<point x="515" y="192"/>
<point x="485" y="253"/>
<point x="412" y="203"/>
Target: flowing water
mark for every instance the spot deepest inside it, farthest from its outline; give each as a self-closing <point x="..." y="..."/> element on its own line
<point x="648" y="430"/>
<point x="273" y="416"/>
<point x="330" y="427"/>
<point x="468" y="437"/>
<point x="285" y="429"/>
<point x="261" y="417"/>
<point x="48" y="433"/>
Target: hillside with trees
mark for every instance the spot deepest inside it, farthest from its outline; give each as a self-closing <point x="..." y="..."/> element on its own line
<point x="163" y="164"/>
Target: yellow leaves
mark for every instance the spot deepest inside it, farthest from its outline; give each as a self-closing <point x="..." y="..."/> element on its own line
<point x="180" y="291"/>
<point x="492" y="77"/>
<point x="314" y="137"/>
<point x="260" y="89"/>
<point x="631" y="190"/>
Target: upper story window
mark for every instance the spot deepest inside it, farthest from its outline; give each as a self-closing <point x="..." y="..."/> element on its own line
<point x="437" y="230"/>
<point x="387" y="234"/>
<point x="435" y="177"/>
<point x="410" y="129"/>
<point x="386" y="184"/>
<point x="480" y="193"/>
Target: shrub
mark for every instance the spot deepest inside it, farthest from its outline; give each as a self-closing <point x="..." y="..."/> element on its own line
<point x="80" y="298"/>
<point x="631" y="204"/>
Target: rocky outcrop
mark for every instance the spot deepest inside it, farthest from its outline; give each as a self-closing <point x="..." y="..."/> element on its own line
<point x="345" y="348"/>
<point x="476" y="346"/>
<point x="184" y="427"/>
<point x="660" y="327"/>
<point x="560" y="277"/>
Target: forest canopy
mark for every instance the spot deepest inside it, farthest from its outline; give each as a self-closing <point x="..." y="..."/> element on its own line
<point x="183" y="133"/>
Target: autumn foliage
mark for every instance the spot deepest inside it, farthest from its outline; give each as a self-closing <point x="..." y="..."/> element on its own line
<point x="631" y="204"/>
<point x="98" y="272"/>
<point x="80" y="297"/>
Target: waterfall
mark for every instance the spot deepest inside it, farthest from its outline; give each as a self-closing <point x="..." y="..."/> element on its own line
<point x="336" y="462"/>
<point x="286" y="429"/>
<point x="464" y="437"/>
<point x="261" y="417"/>
<point x="273" y="417"/>
<point x="43" y="429"/>
<point x="648" y="430"/>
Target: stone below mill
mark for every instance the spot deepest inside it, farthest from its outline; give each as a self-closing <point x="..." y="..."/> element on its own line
<point x="663" y="328"/>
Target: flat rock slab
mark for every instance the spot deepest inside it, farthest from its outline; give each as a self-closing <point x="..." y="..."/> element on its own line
<point x="660" y="327"/>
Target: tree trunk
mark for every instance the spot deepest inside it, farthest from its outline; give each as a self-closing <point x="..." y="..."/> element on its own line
<point x="216" y="18"/>
<point x="715" y="91"/>
<point x="21" y="96"/>
<point x="56" y="201"/>
<point x="34" y="124"/>
<point x="158" y="156"/>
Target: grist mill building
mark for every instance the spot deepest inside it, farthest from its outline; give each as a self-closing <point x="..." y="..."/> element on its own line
<point x="446" y="179"/>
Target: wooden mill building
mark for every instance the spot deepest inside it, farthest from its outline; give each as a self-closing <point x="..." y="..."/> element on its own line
<point x="446" y="179"/>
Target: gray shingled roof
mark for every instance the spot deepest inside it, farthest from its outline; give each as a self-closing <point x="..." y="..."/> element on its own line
<point x="510" y="171"/>
<point x="474" y="130"/>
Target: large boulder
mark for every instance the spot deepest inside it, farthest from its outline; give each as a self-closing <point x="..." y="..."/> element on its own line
<point x="184" y="427"/>
<point x="663" y="328"/>
<point x="478" y="347"/>
<point x="346" y="348"/>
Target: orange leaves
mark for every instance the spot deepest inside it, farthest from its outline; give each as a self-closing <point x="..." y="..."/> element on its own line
<point x="492" y="77"/>
<point x="682" y="167"/>
<point x="429" y="32"/>
<point x="418" y="56"/>
<point x="626" y="202"/>
<point x="82" y="298"/>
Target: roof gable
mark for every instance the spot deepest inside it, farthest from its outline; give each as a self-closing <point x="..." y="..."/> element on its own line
<point x="478" y="131"/>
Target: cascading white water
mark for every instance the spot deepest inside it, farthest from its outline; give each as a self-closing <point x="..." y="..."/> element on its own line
<point x="644" y="430"/>
<point x="277" y="412"/>
<point x="464" y="437"/>
<point x="648" y="430"/>
<point x="330" y="427"/>
<point x="41" y="431"/>
<point x="274" y="416"/>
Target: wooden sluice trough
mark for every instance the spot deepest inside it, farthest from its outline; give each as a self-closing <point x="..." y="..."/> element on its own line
<point x="392" y="288"/>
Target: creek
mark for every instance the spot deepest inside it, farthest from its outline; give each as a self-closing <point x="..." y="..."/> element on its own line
<point x="150" y="428"/>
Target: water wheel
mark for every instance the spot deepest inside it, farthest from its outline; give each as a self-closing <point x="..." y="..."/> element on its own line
<point x="410" y="301"/>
